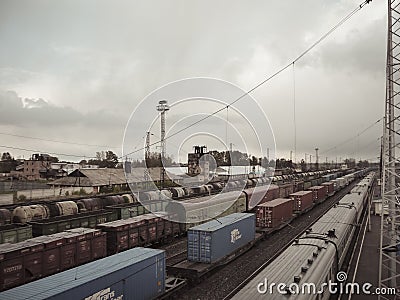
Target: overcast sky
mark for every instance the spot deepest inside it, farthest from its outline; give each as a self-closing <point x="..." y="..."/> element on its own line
<point x="74" y="71"/>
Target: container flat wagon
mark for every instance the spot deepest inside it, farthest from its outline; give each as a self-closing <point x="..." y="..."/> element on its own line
<point x="217" y="245"/>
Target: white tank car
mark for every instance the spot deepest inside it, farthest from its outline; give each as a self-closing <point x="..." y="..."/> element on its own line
<point x="315" y="258"/>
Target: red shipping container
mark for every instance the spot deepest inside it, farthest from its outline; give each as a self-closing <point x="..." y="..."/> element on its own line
<point x="330" y="187"/>
<point x="261" y="194"/>
<point x="274" y="213"/>
<point x="303" y="200"/>
<point x="285" y="190"/>
<point x="319" y="193"/>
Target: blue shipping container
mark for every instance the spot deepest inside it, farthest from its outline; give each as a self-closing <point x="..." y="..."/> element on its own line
<point x="138" y="273"/>
<point x="218" y="238"/>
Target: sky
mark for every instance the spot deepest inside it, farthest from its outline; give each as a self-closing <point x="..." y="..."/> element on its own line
<point x="74" y="74"/>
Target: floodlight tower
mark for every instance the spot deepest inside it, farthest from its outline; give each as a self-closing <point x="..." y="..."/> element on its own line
<point x="389" y="262"/>
<point x="162" y="107"/>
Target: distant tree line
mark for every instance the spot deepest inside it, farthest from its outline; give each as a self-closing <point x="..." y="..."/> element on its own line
<point x="104" y="159"/>
<point x="7" y="163"/>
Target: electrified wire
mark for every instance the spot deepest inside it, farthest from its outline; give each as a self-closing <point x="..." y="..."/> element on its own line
<point x="353" y="137"/>
<point x="343" y="20"/>
<point x="56" y="141"/>
<point x="56" y="153"/>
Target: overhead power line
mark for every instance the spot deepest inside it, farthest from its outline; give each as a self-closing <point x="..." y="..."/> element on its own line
<point x="353" y="137"/>
<point x="305" y="52"/>
<point x="55" y="153"/>
<point x="56" y="141"/>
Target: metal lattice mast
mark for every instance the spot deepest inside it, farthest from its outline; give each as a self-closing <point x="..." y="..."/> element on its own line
<point x="162" y="107"/>
<point x="389" y="262"/>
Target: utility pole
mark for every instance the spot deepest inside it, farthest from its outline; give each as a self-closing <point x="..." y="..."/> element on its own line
<point x="389" y="260"/>
<point x="146" y="159"/>
<point x="162" y="107"/>
<point x="316" y="158"/>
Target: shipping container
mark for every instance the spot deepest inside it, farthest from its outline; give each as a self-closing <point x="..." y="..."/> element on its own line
<point x="298" y="186"/>
<point x="303" y="200"/>
<point x="261" y="195"/>
<point x="285" y="190"/>
<point x="216" y="239"/>
<point x="62" y="223"/>
<point x="138" y="273"/>
<point x="330" y="189"/>
<point x="319" y="193"/>
<point x="14" y="233"/>
<point x="274" y="213"/>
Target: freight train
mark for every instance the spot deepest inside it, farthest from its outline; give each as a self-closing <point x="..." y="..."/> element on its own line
<point x="196" y="210"/>
<point x="305" y="268"/>
<point x="26" y="213"/>
<point x="35" y="258"/>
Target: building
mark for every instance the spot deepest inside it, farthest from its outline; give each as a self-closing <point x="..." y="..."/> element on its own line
<point x="38" y="167"/>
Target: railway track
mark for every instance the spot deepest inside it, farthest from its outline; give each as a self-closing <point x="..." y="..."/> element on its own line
<point x="225" y="281"/>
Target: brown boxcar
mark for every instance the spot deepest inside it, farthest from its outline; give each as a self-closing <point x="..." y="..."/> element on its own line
<point x="274" y="213"/>
<point x="319" y="193"/>
<point x="303" y="200"/>
<point x="329" y="187"/>
<point x="11" y="265"/>
<point x="51" y="260"/>
<point x="33" y="266"/>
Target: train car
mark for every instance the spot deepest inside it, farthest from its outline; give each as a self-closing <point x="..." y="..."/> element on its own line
<point x="216" y="239"/>
<point x="30" y="260"/>
<point x="303" y="201"/>
<point x="275" y="213"/>
<point x="330" y="189"/>
<point x="261" y="194"/>
<point x="319" y="193"/>
<point x="197" y="210"/>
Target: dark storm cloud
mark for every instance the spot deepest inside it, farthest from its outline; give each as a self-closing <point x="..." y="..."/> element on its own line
<point x="93" y="61"/>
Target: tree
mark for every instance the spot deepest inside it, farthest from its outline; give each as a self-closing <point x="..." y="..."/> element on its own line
<point x="6" y="156"/>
